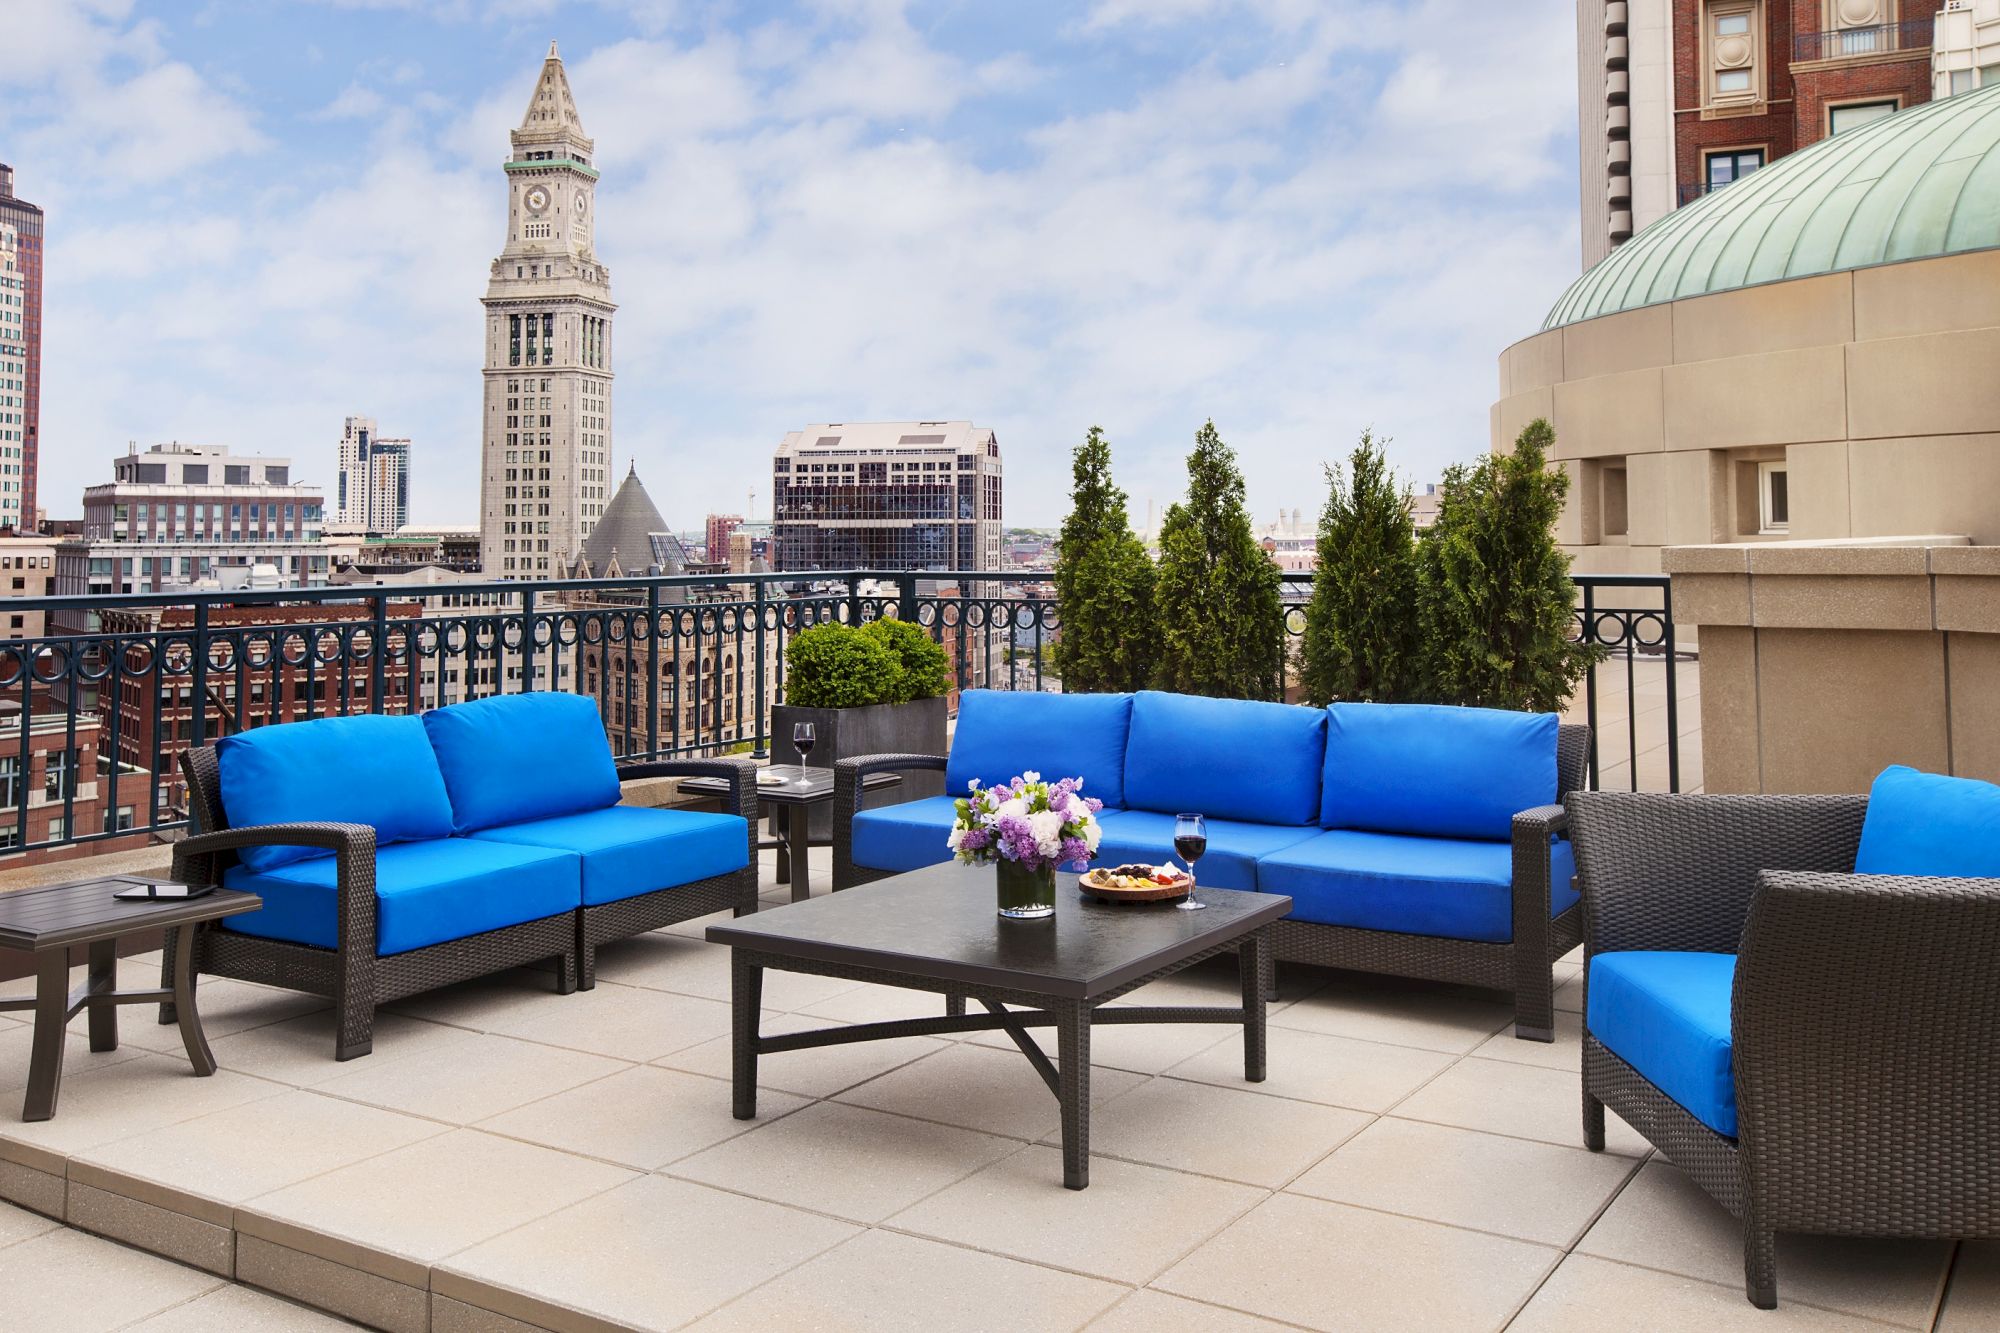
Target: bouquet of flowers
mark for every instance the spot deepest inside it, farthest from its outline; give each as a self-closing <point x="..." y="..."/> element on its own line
<point x="1035" y="824"/>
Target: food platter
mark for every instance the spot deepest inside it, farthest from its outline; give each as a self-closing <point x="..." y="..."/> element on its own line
<point x="1136" y="883"/>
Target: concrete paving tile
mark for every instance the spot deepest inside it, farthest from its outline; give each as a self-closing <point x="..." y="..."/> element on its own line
<point x="1590" y="1295"/>
<point x="1150" y="1311"/>
<point x="625" y="1022"/>
<point x="339" y="1288"/>
<point x="1514" y="1187"/>
<point x="1972" y="1301"/>
<point x="423" y="1202"/>
<point x="17" y="1044"/>
<point x="697" y="929"/>
<point x="871" y="1284"/>
<point x="1523" y="1100"/>
<point x="1569" y="995"/>
<point x="1130" y="1224"/>
<point x="299" y="1051"/>
<point x="1565" y="1052"/>
<point x="653" y="1253"/>
<point x="1315" y="1067"/>
<point x="468" y="1080"/>
<point x="817" y="1072"/>
<point x="870" y="1003"/>
<point x="1402" y="1013"/>
<point x="1140" y="1048"/>
<point x="642" y="1117"/>
<point x="975" y="1087"/>
<point x="124" y="1099"/>
<point x="1664" y="1220"/>
<point x="1333" y="1267"/>
<point x="845" y="1160"/>
<point x="64" y="1280"/>
<point x="239" y="1310"/>
<point x="659" y="960"/>
<point x="236" y="1154"/>
<point x="472" y="1004"/>
<point x="226" y="1006"/>
<point x="1220" y="1131"/>
<point x="18" y="1224"/>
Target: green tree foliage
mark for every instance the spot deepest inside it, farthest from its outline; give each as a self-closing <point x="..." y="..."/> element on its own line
<point x="1220" y="622"/>
<point x="1493" y="588"/>
<point x="1361" y="626"/>
<point x="1104" y="582"/>
<point x="926" y="672"/>
<point x="838" y="666"/>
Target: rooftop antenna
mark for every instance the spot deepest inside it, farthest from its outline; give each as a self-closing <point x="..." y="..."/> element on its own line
<point x="750" y="514"/>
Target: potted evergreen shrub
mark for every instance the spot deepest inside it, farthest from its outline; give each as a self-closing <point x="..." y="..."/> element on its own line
<point x="877" y="688"/>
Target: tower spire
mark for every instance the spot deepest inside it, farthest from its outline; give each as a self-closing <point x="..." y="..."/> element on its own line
<point x="551" y="110"/>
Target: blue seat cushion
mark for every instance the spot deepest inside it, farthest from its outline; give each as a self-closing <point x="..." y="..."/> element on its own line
<point x="520" y="757"/>
<point x="1450" y="888"/>
<point x="1667" y="1015"/>
<point x="1436" y="770"/>
<point x="1234" y="846"/>
<point x="1929" y="824"/>
<point x="907" y="836"/>
<point x="1002" y="734"/>
<point x="373" y="770"/>
<point x="425" y="893"/>
<point x="1225" y="758"/>
<point x="630" y="849"/>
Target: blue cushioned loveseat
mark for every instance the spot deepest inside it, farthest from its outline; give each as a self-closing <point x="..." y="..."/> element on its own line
<point x="1413" y="840"/>
<point x="397" y="854"/>
<point x="1793" y="998"/>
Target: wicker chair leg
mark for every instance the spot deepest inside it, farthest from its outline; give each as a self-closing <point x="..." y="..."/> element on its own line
<point x="1534" y="995"/>
<point x="357" y="1030"/>
<point x="1760" y="1263"/>
<point x="169" y="1015"/>
<point x="1593" y="1123"/>
<point x="585" y="976"/>
<point x="567" y="967"/>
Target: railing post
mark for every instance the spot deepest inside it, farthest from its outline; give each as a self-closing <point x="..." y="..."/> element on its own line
<point x="378" y="660"/>
<point x="906" y="597"/>
<point x="854" y="599"/>
<point x="197" y="678"/>
<point x="1590" y="681"/>
<point x="527" y="643"/>
<point x="760" y="748"/>
<point x="1673" y="694"/>
<point x="653" y="669"/>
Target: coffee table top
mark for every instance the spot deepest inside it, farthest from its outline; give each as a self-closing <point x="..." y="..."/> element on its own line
<point x="84" y="910"/>
<point x="940" y="923"/>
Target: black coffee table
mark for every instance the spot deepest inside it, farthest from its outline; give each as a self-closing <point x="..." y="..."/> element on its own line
<point x="936" y="930"/>
<point x="47" y="921"/>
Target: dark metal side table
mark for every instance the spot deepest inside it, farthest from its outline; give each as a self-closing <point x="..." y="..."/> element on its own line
<point x="47" y="921"/>
<point x="793" y="798"/>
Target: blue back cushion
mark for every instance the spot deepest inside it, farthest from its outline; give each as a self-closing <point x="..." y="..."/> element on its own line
<point x="378" y="771"/>
<point x="1929" y="824"/>
<point x="1225" y="758"/>
<point x="1002" y="734"/>
<point x="518" y="757"/>
<point x="1436" y="770"/>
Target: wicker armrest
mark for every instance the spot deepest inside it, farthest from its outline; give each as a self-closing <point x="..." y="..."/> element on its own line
<point x="1679" y="872"/>
<point x="741" y="774"/>
<point x="1865" y="1021"/>
<point x="1532" y="831"/>
<point x="198" y="860"/>
<point x="848" y="773"/>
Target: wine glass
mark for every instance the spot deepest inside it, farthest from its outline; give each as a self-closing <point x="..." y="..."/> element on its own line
<point x="802" y="741"/>
<point x="1190" y="841"/>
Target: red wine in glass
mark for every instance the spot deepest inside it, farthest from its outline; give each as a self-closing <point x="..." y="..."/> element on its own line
<point x="1190" y="842"/>
<point x="802" y="741"/>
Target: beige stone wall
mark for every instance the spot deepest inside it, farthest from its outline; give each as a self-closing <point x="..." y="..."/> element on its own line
<point x="1878" y="388"/>
<point x="1822" y="663"/>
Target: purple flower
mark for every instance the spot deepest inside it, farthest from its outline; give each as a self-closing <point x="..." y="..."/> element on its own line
<point x="975" y="840"/>
<point x="1075" y="852"/>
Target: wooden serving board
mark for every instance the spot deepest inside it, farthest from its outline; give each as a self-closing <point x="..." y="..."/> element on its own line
<point x="1157" y="893"/>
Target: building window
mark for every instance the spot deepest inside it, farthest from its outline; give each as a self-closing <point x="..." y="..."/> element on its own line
<point x="1774" y="501"/>
<point x="1962" y="81"/>
<point x="1840" y="119"/>
<point x="1733" y="40"/>
<point x="1732" y="165"/>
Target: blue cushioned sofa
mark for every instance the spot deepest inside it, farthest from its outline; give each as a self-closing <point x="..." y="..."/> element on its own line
<point x="1794" y="999"/>
<point x="398" y="854"/>
<point x="1413" y="840"/>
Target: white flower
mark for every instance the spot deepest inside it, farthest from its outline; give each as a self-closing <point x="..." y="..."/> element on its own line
<point x="1011" y="809"/>
<point x="1031" y="778"/>
<point x="1047" y="828"/>
<point x="1092" y="832"/>
<point x="954" y="838"/>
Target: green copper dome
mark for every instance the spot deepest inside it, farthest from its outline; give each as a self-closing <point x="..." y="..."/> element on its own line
<point x="1923" y="182"/>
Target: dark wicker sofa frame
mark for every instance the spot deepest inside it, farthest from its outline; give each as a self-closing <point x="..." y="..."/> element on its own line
<point x="357" y="980"/>
<point x="1523" y="965"/>
<point x="1865" y="1020"/>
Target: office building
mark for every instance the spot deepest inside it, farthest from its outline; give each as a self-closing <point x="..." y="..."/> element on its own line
<point x="545" y="426"/>
<point x="1966" y="47"/>
<point x="21" y="237"/>
<point x="887" y="495"/>
<point x="27" y="569"/>
<point x="372" y="492"/>
<point x="1677" y="98"/>
<point x="715" y="542"/>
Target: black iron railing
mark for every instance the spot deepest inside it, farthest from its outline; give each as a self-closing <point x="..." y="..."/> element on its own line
<point x="1878" y="39"/>
<point x="117" y="687"/>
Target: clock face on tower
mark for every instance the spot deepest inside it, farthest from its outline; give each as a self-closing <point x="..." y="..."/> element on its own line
<point x="536" y="199"/>
<point x="582" y="204"/>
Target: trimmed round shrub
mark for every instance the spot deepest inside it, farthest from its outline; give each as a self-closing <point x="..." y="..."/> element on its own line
<point x="926" y="670"/>
<point x="837" y="666"/>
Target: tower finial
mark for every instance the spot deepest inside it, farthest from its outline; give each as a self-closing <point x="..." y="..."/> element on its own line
<point x="552" y="50"/>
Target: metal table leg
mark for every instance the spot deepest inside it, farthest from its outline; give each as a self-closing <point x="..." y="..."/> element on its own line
<point x="45" y="1066"/>
<point x="746" y="992"/>
<point x="103" y="978"/>
<point x="1073" y="1057"/>
<point x="798" y="829"/>
<point x="1253" y="962"/>
<point x="192" y="1037"/>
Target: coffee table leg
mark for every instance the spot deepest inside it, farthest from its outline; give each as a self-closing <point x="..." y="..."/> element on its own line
<point x="199" y="1055"/>
<point x="1253" y="963"/>
<point x="799" y="833"/>
<point x="103" y="977"/>
<point x="1073" y="1058"/>
<point x="747" y="997"/>
<point x="783" y="821"/>
<point x="45" y="1065"/>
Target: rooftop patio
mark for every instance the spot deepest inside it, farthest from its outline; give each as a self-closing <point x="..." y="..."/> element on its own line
<point x="509" y="1158"/>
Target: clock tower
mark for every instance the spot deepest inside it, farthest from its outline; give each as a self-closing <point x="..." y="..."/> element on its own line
<point x="545" y="424"/>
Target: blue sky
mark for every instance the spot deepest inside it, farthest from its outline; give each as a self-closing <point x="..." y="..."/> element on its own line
<point x="1300" y="217"/>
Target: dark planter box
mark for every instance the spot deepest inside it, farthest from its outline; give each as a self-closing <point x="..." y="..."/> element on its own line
<point x="916" y="727"/>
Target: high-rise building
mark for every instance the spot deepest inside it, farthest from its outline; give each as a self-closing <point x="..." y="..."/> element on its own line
<point x="715" y="544"/>
<point x="887" y="495"/>
<point x="373" y="493"/>
<point x="546" y="423"/>
<point x="1677" y="98"/>
<point x="180" y="514"/>
<point x="20" y="354"/>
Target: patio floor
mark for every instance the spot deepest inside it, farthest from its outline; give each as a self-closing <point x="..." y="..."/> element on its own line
<point x="511" y="1159"/>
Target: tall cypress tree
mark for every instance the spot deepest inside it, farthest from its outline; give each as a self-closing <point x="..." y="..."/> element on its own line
<point x="1104" y="581"/>
<point x="1361" y="626"/>
<point x="1494" y="590"/>
<point x="1220" y="621"/>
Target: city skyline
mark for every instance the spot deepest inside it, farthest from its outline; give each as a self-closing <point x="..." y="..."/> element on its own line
<point x="1132" y="215"/>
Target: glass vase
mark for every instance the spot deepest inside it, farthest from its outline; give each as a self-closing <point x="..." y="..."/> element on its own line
<point x="1024" y="894"/>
